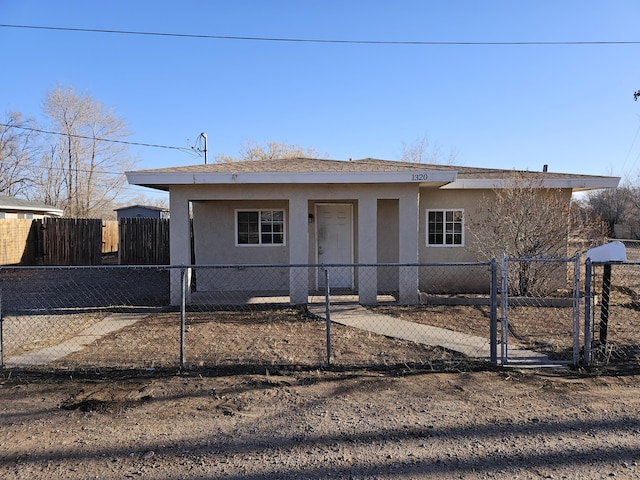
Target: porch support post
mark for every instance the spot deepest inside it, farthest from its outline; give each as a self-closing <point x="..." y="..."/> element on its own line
<point x="367" y="249"/>
<point x="408" y="244"/>
<point x="179" y="245"/>
<point x="298" y="236"/>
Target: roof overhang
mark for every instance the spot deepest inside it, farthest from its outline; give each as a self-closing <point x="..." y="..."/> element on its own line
<point x="162" y="180"/>
<point x="51" y="211"/>
<point x="575" y="183"/>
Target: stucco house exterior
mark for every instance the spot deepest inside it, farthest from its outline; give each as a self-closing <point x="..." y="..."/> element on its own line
<point x="12" y="207"/>
<point x="304" y="211"/>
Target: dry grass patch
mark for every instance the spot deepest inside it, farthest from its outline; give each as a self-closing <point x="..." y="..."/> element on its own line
<point x="284" y="337"/>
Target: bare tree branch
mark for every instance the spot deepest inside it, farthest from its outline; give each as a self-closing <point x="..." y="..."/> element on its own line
<point x="252" y="150"/>
<point x="18" y="150"/>
<point x="74" y="169"/>
<point x="523" y="220"/>
<point x="422" y="151"/>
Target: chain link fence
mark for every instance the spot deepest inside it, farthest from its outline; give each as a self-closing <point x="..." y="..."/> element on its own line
<point x="159" y="317"/>
<point x="55" y="316"/>
<point x="612" y="317"/>
<point x="243" y="316"/>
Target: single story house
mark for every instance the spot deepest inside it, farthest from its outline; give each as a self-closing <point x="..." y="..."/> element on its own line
<point x="303" y="211"/>
<point x="142" y="211"/>
<point x="12" y="207"/>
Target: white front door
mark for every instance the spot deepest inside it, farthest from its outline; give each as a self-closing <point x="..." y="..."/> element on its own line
<point x="334" y="233"/>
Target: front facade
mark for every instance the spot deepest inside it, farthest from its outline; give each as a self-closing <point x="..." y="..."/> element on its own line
<point x="325" y="212"/>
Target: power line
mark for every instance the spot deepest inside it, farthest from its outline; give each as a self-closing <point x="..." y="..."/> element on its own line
<point x="633" y="142"/>
<point x="75" y="170"/>
<point x="31" y="129"/>
<point x="314" y="40"/>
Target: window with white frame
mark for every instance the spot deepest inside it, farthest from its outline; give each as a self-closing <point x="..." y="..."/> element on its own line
<point x="445" y="227"/>
<point x="260" y="227"/>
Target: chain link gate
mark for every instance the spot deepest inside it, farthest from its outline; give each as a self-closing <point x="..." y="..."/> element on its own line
<point x="540" y="311"/>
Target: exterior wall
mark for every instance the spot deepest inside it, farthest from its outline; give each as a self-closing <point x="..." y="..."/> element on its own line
<point x="388" y="244"/>
<point x="395" y="215"/>
<point x="214" y="230"/>
<point x="468" y="200"/>
<point x="452" y="279"/>
<point x="436" y="279"/>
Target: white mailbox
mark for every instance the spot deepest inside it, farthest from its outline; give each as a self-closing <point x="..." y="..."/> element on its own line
<point x="609" y="252"/>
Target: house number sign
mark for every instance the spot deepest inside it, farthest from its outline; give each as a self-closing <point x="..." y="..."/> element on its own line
<point x="419" y="177"/>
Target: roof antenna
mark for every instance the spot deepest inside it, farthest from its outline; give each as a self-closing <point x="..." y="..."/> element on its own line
<point x="197" y="148"/>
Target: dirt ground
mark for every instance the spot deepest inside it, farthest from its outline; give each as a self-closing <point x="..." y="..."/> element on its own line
<point x="320" y="424"/>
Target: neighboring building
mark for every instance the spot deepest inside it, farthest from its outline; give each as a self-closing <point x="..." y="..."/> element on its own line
<point x="310" y="211"/>
<point x="142" y="211"/>
<point x="11" y="207"/>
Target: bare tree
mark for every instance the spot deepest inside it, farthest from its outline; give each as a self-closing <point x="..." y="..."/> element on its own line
<point x="252" y="150"/>
<point x="523" y="220"/>
<point x="586" y="228"/>
<point x="18" y="150"/>
<point x="82" y="168"/>
<point x="422" y="151"/>
<point x="614" y="206"/>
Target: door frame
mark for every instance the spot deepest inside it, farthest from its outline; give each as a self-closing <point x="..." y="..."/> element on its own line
<point x="351" y="240"/>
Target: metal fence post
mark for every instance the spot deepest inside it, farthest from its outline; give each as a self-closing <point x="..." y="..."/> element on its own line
<point x="493" y="325"/>
<point x="587" y="311"/>
<point x="183" y="307"/>
<point x="327" y="301"/>
<point x="504" y="310"/>
<point x="576" y="310"/>
<point x="604" y="305"/>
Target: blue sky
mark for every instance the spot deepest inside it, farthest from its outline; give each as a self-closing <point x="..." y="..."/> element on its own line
<point x="501" y="106"/>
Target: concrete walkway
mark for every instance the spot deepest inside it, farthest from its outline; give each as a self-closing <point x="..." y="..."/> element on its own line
<point x="85" y="338"/>
<point x="357" y="316"/>
<point x="348" y="314"/>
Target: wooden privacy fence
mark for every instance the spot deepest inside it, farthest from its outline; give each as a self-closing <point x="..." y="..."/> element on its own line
<point x="109" y="236"/>
<point x="144" y="241"/>
<point x="73" y="241"/>
<point x="17" y="241"/>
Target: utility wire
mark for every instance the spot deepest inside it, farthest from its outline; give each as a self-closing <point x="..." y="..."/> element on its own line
<point x="182" y="149"/>
<point x="635" y="137"/>
<point x="313" y="40"/>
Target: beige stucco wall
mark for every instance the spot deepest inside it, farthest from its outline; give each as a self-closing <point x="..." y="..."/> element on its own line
<point x="390" y="213"/>
<point x="467" y="200"/>
<point x="388" y="244"/>
<point x="214" y="228"/>
<point x="453" y="279"/>
<point x="456" y="279"/>
<point x="215" y="244"/>
<point x="214" y="233"/>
